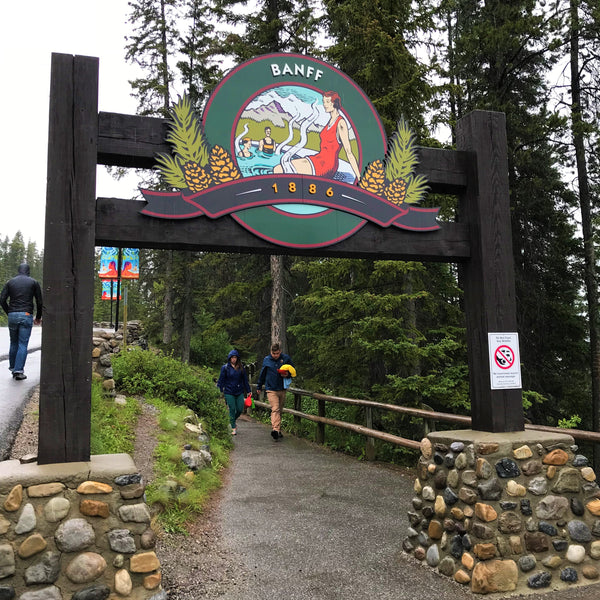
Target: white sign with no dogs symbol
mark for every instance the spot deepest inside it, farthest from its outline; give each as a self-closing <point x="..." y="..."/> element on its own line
<point x="505" y="366"/>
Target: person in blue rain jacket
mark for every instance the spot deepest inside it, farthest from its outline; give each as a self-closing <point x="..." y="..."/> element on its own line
<point x="234" y="385"/>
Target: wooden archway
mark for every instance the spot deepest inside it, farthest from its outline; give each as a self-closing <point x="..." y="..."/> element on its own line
<point x="80" y="138"/>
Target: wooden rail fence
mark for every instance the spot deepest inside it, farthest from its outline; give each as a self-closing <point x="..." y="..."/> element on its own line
<point x="373" y="434"/>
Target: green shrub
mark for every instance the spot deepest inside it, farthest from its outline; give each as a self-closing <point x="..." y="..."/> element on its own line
<point x="147" y="373"/>
<point x="209" y="349"/>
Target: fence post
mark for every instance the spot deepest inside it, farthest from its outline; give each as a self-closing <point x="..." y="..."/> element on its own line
<point x="321" y="426"/>
<point x="370" y="448"/>
<point x="428" y="424"/>
<point x="298" y="407"/>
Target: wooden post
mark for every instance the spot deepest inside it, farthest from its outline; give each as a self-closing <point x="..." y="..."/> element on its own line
<point x="321" y="426"/>
<point x="66" y="365"/>
<point x="119" y="265"/>
<point x="298" y="407"/>
<point x="370" y="445"/>
<point x="488" y="277"/>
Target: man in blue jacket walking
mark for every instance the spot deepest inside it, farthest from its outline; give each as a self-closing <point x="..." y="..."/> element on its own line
<point x="272" y="381"/>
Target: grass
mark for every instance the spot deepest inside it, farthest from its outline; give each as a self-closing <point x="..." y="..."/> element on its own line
<point x="178" y="493"/>
<point x="112" y="425"/>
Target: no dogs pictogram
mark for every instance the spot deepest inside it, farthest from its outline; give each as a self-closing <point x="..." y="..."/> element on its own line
<point x="504" y="357"/>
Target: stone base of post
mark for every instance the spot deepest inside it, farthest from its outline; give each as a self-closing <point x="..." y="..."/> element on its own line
<point x="76" y="530"/>
<point x="506" y="512"/>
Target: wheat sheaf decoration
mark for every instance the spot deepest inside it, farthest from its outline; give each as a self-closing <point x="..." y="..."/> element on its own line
<point x="393" y="178"/>
<point x="194" y="165"/>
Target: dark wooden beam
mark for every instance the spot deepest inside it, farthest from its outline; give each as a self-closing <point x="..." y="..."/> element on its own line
<point x="119" y="223"/>
<point x="488" y="277"/>
<point x="133" y="141"/>
<point x="65" y="379"/>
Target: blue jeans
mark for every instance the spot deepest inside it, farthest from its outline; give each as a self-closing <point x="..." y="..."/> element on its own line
<point x="19" y="328"/>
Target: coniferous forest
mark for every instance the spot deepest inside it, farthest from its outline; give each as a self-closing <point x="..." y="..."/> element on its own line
<point x="386" y="330"/>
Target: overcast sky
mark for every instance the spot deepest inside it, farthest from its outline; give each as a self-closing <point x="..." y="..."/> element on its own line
<point x="29" y="33"/>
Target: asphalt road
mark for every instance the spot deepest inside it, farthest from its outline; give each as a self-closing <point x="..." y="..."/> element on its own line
<point x="14" y="394"/>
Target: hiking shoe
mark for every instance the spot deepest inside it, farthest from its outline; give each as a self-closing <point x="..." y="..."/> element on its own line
<point x="19" y="376"/>
<point x="275" y="435"/>
<point x="234" y="431"/>
<point x="280" y="434"/>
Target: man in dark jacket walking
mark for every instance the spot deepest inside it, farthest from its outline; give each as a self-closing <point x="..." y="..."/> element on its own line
<point x="271" y="378"/>
<point x="22" y="290"/>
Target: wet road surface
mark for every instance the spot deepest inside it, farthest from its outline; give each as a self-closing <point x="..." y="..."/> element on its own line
<point x="14" y="394"/>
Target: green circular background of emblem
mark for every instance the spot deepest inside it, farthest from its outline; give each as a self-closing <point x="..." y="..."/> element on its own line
<point x="220" y="118"/>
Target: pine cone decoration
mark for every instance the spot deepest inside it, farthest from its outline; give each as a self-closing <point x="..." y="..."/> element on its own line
<point x="196" y="177"/>
<point x="395" y="192"/>
<point x="221" y="166"/>
<point x="374" y="178"/>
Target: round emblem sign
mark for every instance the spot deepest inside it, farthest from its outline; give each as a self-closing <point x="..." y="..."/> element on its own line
<point x="294" y="123"/>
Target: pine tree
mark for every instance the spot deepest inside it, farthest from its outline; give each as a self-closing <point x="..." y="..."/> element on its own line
<point x="371" y="44"/>
<point x="199" y="48"/>
<point x="501" y="55"/>
<point x="151" y="47"/>
<point x="584" y="26"/>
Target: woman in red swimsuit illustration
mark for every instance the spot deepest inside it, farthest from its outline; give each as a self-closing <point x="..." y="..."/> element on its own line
<point x="333" y="136"/>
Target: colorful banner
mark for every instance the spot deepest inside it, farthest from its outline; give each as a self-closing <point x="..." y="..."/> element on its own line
<point x="130" y="263"/>
<point x="107" y="292"/>
<point x="109" y="261"/>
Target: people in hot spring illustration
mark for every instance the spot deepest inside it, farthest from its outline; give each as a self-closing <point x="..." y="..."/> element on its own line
<point x="246" y="145"/>
<point x="333" y="136"/>
<point x="267" y="144"/>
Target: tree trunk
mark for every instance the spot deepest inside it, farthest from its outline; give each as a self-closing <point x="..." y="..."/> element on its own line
<point x="168" y="301"/>
<point x="164" y="67"/>
<point x="186" y="333"/>
<point x="278" y="324"/>
<point x="586" y="223"/>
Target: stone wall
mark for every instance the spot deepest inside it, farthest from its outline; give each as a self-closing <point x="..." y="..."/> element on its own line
<point x="106" y="342"/>
<point x="76" y="531"/>
<point x="508" y="512"/>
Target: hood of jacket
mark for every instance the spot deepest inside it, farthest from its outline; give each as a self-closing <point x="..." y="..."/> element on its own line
<point x="232" y="353"/>
<point x="23" y="269"/>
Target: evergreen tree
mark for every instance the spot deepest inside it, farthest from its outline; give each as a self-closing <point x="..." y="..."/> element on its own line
<point x="276" y="26"/>
<point x="371" y="44"/>
<point x="150" y="47"/>
<point x="233" y="299"/>
<point x="390" y="331"/>
<point x="583" y="29"/>
<point x="501" y="55"/>
<point x="199" y="49"/>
